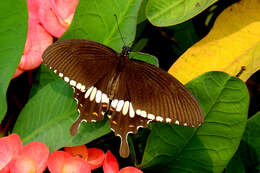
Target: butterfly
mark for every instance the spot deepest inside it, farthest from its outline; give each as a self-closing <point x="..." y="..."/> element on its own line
<point x="130" y="92"/>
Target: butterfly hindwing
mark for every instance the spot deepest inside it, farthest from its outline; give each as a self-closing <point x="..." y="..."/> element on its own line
<point x="122" y="115"/>
<point x="93" y="103"/>
<point x="123" y="125"/>
<point x="89" y="111"/>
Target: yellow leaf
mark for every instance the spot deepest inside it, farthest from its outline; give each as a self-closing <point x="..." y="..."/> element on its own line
<point x="233" y="42"/>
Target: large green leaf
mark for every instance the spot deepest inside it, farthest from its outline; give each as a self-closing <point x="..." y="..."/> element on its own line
<point x="185" y="36"/>
<point x="251" y="140"/>
<point x="48" y="116"/>
<point x="208" y="148"/>
<point x="169" y="12"/>
<point x="141" y="14"/>
<point x="140" y="44"/>
<point x="43" y="76"/>
<point x="95" y="20"/>
<point x="236" y="165"/>
<point x="13" y="29"/>
<point x="249" y="150"/>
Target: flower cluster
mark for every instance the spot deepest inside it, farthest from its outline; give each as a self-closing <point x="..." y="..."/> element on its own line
<point x="16" y="158"/>
<point x="45" y="19"/>
<point x="34" y="158"/>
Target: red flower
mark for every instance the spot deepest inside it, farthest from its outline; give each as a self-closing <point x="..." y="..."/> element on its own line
<point x="78" y="151"/>
<point x="62" y="162"/>
<point x="130" y="169"/>
<point x="34" y="158"/>
<point x="93" y="156"/>
<point x="17" y="159"/>
<point x="111" y="165"/>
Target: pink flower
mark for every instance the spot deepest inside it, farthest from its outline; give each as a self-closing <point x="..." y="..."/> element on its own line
<point x="38" y="39"/>
<point x="9" y="148"/>
<point x="110" y="165"/>
<point x="46" y="18"/>
<point x="56" y="15"/>
<point x="32" y="158"/>
<point x="17" y="159"/>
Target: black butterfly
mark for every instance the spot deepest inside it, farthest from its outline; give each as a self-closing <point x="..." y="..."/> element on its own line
<point x="131" y="92"/>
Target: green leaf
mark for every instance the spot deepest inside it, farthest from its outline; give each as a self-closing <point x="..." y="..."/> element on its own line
<point x="185" y="36"/>
<point x="13" y="29"/>
<point x="141" y="14"/>
<point x="48" y="116"/>
<point x="249" y="149"/>
<point x="250" y="145"/>
<point x="43" y="76"/>
<point x="208" y="148"/>
<point x="252" y="140"/>
<point x="169" y="12"/>
<point x="235" y="165"/>
<point x="145" y="57"/>
<point x="139" y="45"/>
<point x="95" y="20"/>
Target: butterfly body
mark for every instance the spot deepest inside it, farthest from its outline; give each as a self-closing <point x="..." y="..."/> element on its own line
<point x="114" y="82"/>
<point x="131" y="92"/>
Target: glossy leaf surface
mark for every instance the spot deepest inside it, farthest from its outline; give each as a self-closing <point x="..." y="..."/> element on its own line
<point x="208" y="148"/>
<point x="168" y="12"/>
<point x="13" y="29"/>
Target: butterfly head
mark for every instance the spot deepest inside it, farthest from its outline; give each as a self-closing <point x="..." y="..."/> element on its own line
<point x="126" y="51"/>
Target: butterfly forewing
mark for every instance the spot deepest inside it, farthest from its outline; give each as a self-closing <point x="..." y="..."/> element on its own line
<point x="79" y="60"/>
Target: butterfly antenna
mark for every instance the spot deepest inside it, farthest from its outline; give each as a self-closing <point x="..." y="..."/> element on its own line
<point x="119" y="29"/>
